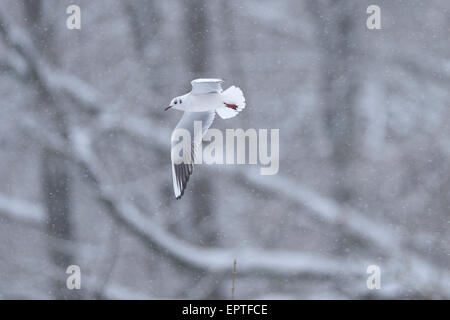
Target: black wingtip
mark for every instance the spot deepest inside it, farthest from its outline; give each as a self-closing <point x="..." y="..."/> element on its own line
<point x="179" y="197"/>
<point x="184" y="185"/>
<point x="182" y="193"/>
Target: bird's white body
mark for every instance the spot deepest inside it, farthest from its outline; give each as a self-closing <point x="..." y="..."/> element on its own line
<point x="207" y="95"/>
<point x="201" y="104"/>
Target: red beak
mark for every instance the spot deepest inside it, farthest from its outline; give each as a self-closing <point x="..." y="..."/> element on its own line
<point x="167" y="108"/>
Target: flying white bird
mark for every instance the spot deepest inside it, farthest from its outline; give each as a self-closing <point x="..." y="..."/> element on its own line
<point x="201" y="104"/>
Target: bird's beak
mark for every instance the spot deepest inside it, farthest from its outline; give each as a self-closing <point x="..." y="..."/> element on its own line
<point x="167" y="108"/>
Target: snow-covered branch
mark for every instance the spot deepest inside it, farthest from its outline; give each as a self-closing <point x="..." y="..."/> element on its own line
<point x="21" y="210"/>
<point x="23" y="59"/>
<point x="324" y="208"/>
<point x="207" y="259"/>
<point x="193" y="257"/>
<point x="50" y="79"/>
<point x="252" y="260"/>
<point x="319" y="206"/>
<point x="57" y="80"/>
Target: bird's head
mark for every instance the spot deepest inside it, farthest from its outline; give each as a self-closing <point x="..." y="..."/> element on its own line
<point x="176" y="103"/>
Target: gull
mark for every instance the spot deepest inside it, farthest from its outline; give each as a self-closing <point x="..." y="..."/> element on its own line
<point x="201" y="104"/>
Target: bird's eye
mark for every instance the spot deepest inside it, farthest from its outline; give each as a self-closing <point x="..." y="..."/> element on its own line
<point x="175" y="101"/>
<point x="181" y="101"/>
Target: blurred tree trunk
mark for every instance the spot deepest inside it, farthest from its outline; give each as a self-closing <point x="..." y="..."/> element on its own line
<point x="32" y="10"/>
<point x="232" y="49"/>
<point x="145" y="22"/>
<point x="56" y="192"/>
<point x="41" y="28"/>
<point x="197" y="37"/>
<point x="339" y="87"/>
<point x="198" y="51"/>
<point x="55" y="172"/>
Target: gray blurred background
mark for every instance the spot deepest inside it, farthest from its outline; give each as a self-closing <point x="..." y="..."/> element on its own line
<point x="85" y="172"/>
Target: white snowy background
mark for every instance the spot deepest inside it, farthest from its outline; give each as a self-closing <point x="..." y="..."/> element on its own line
<point x="364" y="150"/>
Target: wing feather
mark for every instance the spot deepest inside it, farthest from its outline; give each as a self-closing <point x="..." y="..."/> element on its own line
<point x="204" y="86"/>
<point x="182" y="170"/>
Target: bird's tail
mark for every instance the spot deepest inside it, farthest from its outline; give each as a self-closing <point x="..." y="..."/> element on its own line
<point x="234" y="102"/>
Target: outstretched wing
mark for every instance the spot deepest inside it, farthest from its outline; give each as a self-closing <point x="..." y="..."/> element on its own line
<point x="235" y="102"/>
<point x="203" y="86"/>
<point x="184" y="151"/>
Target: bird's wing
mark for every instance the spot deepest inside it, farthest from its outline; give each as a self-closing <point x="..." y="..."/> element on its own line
<point x="184" y="151"/>
<point x="203" y="86"/>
